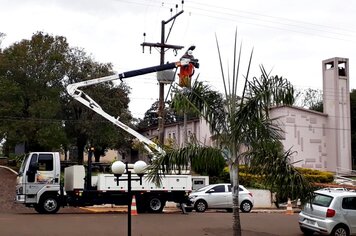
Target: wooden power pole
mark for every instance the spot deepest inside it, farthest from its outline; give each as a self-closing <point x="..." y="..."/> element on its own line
<point x="163" y="46"/>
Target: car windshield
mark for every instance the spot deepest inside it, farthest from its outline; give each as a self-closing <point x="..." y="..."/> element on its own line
<point x="322" y="200"/>
<point x="203" y="189"/>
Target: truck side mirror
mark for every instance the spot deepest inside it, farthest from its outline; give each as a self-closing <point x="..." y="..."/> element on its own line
<point x="31" y="173"/>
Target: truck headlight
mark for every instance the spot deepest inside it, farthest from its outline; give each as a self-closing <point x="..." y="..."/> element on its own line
<point x="20" y="190"/>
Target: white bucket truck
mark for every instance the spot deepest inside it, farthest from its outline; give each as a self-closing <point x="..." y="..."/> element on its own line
<point x="39" y="183"/>
<point x="39" y="186"/>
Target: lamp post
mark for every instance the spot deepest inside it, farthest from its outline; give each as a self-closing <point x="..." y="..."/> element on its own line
<point x="119" y="168"/>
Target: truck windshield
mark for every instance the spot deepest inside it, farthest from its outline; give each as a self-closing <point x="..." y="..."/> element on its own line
<point x="23" y="165"/>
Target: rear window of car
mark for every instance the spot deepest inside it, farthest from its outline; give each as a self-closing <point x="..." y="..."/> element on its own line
<point x="322" y="200"/>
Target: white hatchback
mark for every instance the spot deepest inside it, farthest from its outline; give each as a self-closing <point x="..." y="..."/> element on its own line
<point x="219" y="196"/>
<point x="332" y="212"/>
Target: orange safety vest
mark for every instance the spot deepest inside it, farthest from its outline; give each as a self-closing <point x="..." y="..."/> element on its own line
<point x="185" y="75"/>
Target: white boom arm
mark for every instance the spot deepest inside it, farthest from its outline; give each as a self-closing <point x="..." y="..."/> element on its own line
<point x="74" y="91"/>
<point x="90" y="103"/>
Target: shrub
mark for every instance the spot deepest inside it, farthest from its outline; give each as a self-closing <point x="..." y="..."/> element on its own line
<point x="316" y="176"/>
<point x="251" y="180"/>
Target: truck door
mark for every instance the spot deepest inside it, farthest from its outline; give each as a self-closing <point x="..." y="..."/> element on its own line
<point x="40" y="172"/>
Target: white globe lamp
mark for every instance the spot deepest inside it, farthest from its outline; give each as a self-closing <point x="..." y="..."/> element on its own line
<point x="140" y="167"/>
<point x="118" y="167"/>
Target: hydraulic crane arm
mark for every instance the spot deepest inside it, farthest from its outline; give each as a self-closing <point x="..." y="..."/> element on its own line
<point x="74" y="91"/>
<point x="71" y="88"/>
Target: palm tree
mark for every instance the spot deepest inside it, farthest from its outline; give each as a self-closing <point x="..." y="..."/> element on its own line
<point x="242" y="130"/>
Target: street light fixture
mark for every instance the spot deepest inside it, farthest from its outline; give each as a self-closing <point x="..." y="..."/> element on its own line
<point x="118" y="168"/>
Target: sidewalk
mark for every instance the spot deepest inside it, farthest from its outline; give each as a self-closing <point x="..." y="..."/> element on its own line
<point x="170" y="208"/>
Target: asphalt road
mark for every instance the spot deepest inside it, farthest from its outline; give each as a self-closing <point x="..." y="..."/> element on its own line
<point x="83" y="223"/>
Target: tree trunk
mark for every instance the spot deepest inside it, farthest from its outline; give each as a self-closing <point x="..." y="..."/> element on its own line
<point x="234" y="176"/>
<point x="97" y="156"/>
<point x="81" y="142"/>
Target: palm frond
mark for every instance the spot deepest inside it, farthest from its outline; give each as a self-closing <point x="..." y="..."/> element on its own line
<point x="270" y="161"/>
<point x="194" y="157"/>
<point x="204" y="101"/>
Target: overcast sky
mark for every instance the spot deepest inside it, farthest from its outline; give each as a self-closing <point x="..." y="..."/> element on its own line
<point x="291" y="38"/>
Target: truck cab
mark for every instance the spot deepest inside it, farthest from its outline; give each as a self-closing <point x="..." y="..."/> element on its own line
<point x="39" y="179"/>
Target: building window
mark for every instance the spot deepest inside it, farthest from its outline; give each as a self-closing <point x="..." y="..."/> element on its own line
<point x="329" y="65"/>
<point x="189" y="134"/>
<point x="342" y="68"/>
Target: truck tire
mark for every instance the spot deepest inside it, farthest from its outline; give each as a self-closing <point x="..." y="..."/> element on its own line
<point x="48" y="204"/>
<point x="155" y="205"/>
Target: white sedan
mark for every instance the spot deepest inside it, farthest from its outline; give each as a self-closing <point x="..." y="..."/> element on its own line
<point x="219" y="196"/>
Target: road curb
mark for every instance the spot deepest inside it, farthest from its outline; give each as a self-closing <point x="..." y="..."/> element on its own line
<point x="123" y="209"/>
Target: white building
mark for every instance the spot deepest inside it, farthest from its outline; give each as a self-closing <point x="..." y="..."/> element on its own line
<point x="175" y="132"/>
<point x="320" y="140"/>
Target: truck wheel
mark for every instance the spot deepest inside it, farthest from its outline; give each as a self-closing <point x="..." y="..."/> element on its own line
<point x="200" y="206"/>
<point x="156" y="205"/>
<point x="48" y="205"/>
<point x="246" y="206"/>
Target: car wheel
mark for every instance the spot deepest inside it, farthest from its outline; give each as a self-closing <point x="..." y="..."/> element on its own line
<point x="340" y="230"/>
<point x="156" y="205"/>
<point x="48" y="205"/>
<point x="307" y="232"/>
<point x="200" y="206"/>
<point x="246" y="206"/>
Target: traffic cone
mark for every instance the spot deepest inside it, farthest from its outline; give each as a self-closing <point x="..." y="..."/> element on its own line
<point x="133" y="206"/>
<point x="289" y="210"/>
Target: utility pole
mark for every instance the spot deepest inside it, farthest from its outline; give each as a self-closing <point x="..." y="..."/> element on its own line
<point x="163" y="46"/>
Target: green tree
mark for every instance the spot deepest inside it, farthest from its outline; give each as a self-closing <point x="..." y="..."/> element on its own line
<point x="242" y="130"/>
<point x="85" y="127"/>
<point x="35" y="108"/>
<point x="171" y="115"/>
<point x="30" y="85"/>
<point x="312" y="99"/>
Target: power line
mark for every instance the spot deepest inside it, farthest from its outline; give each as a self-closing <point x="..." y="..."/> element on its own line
<point x="219" y="12"/>
<point x="214" y="7"/>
